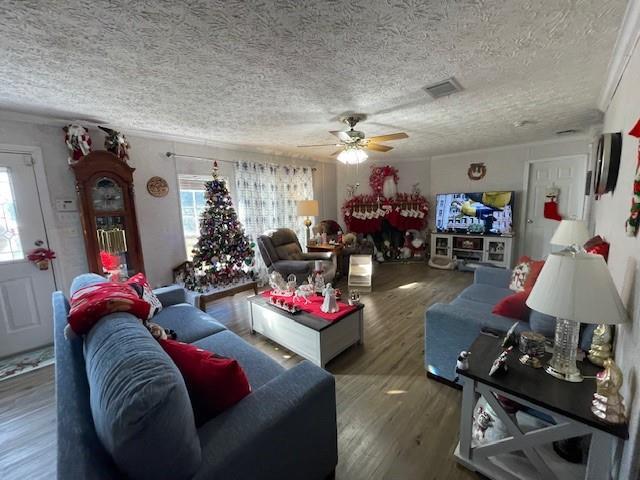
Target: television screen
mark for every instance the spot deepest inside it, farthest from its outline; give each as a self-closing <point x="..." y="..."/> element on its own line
<point x="481" y="213"/>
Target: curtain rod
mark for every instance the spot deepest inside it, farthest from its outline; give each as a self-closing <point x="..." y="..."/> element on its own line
<point x="174" y="154"/>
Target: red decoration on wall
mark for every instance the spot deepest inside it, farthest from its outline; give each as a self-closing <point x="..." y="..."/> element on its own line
<point x="378" y="174"/>
<point x="633" y="222"/>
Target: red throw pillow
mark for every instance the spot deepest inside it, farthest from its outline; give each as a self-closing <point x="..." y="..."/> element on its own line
<point x="513" y="306"/>
<point x="214" y="382"/>
<point x="91" y="303"/>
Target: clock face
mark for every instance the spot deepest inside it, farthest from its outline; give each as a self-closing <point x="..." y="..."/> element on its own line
<point x="106" y="196"/>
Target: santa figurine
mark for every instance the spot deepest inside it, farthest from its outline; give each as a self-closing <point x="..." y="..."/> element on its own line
<point x="329" y="305"/>
<point x="463" y="361"/>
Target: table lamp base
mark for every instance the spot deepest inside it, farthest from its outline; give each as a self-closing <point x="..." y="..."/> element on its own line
<point x="565" y="346"/>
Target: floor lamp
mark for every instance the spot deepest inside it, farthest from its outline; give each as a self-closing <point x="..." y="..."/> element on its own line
<point x="308" y="208"/>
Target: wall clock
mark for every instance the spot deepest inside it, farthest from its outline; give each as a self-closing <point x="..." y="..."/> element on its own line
<point x="607" y="163"/>
<point x="104" y="185"/>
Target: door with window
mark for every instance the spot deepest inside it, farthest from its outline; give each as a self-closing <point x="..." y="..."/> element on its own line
<point x="568" y="175"/>
<point x="25" y="291"/>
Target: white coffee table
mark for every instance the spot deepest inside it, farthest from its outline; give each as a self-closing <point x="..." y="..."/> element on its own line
<point x="309" y="336"/>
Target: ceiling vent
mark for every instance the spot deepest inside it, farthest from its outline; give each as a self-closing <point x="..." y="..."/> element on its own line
<point x="569" y="131"/>
<point x="444" y="88"/>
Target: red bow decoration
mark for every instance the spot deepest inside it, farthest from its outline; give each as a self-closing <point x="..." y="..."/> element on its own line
<point x="633" y="222"/>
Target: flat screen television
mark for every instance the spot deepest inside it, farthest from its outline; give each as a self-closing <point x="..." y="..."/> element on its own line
<point x="479" y="213"/>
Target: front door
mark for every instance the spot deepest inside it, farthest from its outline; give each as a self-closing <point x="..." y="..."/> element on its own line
<point x="25" y="291"/>
<point x="568" y="175"/>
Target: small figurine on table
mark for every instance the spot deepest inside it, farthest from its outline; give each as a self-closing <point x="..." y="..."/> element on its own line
<point x="608" y="404"/>
<point x="463" y="361"/>
<point x="330" y="305"/>
<point x="510" y="339"/>
<point x="500" y="363"/>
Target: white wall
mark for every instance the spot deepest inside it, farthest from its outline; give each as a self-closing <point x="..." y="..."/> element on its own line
<point x="158" y="218"/>
<point x="610" y="213"/>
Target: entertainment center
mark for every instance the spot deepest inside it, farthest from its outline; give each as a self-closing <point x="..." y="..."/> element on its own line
<point x="475" y="227"/>
<point x="496" y="250"/>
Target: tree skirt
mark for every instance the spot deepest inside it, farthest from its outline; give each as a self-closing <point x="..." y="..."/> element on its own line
<point x="313" y="307"/>
<point x="26" y="362"/>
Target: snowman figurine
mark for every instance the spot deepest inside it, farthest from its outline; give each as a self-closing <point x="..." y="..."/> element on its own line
<point x="329" y="305"/>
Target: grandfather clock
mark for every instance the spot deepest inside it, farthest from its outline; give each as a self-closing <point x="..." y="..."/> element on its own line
<point x="104" y="184"/>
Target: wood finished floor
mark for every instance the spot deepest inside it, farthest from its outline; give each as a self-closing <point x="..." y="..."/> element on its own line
<point x="393" y="422"/>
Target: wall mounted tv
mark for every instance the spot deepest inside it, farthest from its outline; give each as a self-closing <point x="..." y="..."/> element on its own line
<point x="480" y="213"/>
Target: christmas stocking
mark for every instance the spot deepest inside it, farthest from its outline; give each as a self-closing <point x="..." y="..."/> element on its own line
<point x="633" y="222"/>
<point x="551" y="204"/>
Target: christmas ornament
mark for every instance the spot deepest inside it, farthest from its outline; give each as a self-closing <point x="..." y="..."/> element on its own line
<point x="223" y="252"/>
<point x="116" y="143"/>
<point x="633" y="222"/>
<point x="77" y="139"/>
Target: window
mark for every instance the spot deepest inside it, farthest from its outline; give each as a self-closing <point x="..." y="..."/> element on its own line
<point x="192" y="204"/>
<point x="10" y="247"/>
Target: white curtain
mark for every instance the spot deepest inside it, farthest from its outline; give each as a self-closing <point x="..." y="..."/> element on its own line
<point x="267" y="197"/>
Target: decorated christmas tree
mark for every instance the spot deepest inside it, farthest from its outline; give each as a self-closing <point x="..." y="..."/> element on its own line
<point x="223" y="253"/>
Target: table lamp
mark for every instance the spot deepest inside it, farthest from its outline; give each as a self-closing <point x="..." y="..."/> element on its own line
<point x="574" y="287"/>
<point x="571" y="233"/>
<point x="308" y="208"/>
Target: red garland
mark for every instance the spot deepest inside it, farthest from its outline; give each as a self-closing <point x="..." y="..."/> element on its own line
<point x="378" y="174"/>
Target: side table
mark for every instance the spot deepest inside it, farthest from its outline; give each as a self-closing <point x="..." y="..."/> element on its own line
<point x="565" y="405"/>
<point x="329" y="247"/>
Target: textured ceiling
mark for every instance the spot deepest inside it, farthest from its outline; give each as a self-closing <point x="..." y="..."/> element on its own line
<point x="271" y="75"/>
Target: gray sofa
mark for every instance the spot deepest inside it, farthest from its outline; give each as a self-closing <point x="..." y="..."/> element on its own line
<point x="285" y="428"/>
<point x="451" y="328"/>
<point x="281" y="252"/>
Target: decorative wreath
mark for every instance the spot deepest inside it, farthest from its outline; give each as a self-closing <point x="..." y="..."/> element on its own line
<point x="378" y="174"/>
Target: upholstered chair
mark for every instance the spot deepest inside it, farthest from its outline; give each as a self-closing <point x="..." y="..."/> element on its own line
<point x="281" y="252"/>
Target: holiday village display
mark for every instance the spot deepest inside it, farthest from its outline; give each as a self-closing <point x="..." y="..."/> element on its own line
<point x="404" y="211"/>
<point x="223" y="254"/>
<point x="633" y="222"/>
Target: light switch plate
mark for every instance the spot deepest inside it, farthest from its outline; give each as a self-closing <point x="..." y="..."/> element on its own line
<point x="66" y="205"/>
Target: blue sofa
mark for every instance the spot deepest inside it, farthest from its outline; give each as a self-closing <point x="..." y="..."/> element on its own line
<point x="285" y="428"/>
<point x="451" y="328"/>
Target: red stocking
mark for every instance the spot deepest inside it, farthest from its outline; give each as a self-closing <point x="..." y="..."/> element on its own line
<point x="551" y="209"/>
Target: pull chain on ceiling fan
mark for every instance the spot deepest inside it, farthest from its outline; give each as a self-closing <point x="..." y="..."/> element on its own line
<point x="353" y="143"/>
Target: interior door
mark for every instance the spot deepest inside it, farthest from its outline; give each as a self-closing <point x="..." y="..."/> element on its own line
<point x="568" y="174"/>
<point x="25" y="290"/>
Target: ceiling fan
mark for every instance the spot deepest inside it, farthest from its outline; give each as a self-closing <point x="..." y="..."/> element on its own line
<point x="353" y="143"/>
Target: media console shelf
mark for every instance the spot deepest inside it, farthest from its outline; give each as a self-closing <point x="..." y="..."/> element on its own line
<point x="497" y="250"/>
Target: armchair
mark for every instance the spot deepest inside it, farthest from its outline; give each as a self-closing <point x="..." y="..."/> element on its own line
<point x="281" y="252"/>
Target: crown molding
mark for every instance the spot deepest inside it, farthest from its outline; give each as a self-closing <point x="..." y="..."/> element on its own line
<point x="586" y="137"/>
<point x="628" y="37"/>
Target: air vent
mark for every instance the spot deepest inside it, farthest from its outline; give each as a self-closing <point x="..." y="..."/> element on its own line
<point x="444" y="88"/>
<point x="569" y="131"/>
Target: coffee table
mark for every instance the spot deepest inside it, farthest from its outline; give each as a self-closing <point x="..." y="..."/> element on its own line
<point x="307" y="335"/>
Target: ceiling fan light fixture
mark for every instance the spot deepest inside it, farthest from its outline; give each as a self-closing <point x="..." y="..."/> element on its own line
<point x="352" y="156"/>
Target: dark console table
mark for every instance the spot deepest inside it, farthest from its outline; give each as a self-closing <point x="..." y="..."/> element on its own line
<point x="564" y="406"/>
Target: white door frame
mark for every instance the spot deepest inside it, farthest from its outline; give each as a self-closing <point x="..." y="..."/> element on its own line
<point x="45" y="204"/>
<point x="525" y="190"/>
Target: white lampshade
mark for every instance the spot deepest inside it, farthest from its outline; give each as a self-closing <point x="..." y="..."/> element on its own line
<point x="308" y="208"/>
<point x="352" y="156"/>
<point x="577" y="287"/>
<point x="570" y="232"/>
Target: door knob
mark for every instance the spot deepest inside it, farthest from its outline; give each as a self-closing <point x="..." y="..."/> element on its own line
<point x="529" y="220"/>
<point x="38" y="243"/>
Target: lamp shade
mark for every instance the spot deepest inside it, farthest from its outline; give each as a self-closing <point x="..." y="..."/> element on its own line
<point x="570" y="232"/>
<point x="308" y="208"/>
<point x="578" y="287"/>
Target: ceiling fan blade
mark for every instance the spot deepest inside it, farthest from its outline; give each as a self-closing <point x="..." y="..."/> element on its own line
<point x="336" y="153"/>
<point x="386" y="138"/>
<point x="319" y="145"/>
<point x="343" y="136"/>
<point x="377" y="147"/>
